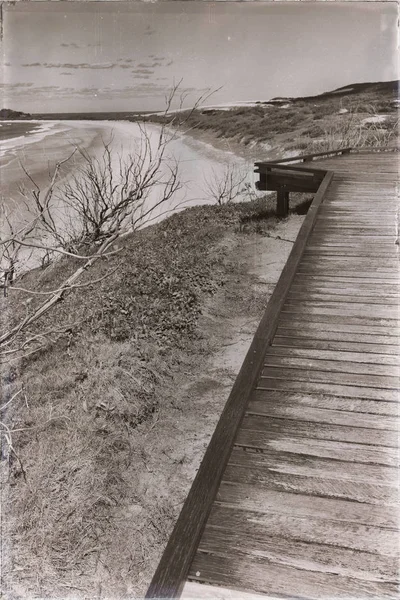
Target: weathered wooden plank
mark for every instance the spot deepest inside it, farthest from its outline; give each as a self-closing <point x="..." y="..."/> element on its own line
<point x="336" y="345"/>
<point x="315" y="334"/>
<point x="318" y="485"/>
<point x="332" y="230"/>
<point x="390" y="264"/>
<point x="350" y="298"/>
<point x="194" y="590"/>
<point x="343" y="294"/>
<point x="346" y="391"/>
<point x="275" y="426"/>
<point x="348" y="220"/>
<point x="315" y="252"/>
<point x="253" y="498"/>
<point x="337" y="239"/>
<point x="355" y="405"/>
<point x="356" y="287"/>
<point x="352" y="192"/>
<point x="356" y="238"/>
<point x="287" y="463"/>
<point x="362" y="281"/>
<point x="360" y="226"/>
<point x="257" y="574"/>
<point x="347" y="227"/>
<point x="374" y="313"/>
<point x="347" y="277"/>
<point x="376" y="540"/>
<point x="308" y="556"/>
<point x="377" y="276"/>
<point x="328" y="212"/>
<point x="322" y="415"/>
<point x="378" y="191"/>
<point x="357" y="357"/>
<point x="323" y="226"/>
<point x="324" y="448"/>
<point x="338" y="366"/>
<point x="316" y="323"/>
<point x="349" y="265"/>
<point x="320" y="246"/>
<point x="382" y="382"/>
<point x="335" y="308"/>
<point x="351" y="250"/>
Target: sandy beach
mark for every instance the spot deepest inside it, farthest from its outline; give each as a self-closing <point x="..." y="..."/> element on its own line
<point x="54" y="141"/>
<point x="50" y="142"/>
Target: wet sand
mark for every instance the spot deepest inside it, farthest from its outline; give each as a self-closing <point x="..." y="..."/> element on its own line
<point x="40" y="151"/>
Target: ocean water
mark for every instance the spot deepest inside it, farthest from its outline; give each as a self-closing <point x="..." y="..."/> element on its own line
<point x="16" y="129"/>
<point x="37" y="151"/>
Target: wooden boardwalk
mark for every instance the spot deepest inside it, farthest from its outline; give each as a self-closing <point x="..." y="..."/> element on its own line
<point x="308" y="505"/>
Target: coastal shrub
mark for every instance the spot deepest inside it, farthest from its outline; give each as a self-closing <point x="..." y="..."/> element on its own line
<point x="321" y="111"/>
<point x="315" y="131"/>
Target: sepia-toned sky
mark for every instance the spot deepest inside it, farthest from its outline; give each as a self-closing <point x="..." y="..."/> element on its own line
<point x="117" y="56"/>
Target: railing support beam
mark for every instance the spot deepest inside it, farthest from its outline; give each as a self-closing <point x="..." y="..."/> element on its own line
<point x="282" y="202"/>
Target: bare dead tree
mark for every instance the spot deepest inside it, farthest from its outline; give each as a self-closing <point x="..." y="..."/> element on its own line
<point x="105" y="198"/>
<point x="115" y="194"/>
<point x="226" y="186"/>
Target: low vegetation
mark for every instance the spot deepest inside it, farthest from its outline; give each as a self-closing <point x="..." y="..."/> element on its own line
<point x="86" y="412"/>
<point x="331" y="120"/>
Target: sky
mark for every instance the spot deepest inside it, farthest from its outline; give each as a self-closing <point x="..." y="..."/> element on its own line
<point x="125" y="56"/>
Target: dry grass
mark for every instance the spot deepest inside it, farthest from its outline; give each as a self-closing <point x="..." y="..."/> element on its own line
<point x="328" y="121"/>
<point x="355" y="130"/>
<point x="107" y="429"/>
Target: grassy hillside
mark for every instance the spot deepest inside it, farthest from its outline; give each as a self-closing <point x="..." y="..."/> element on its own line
<point x="108" y="430"/>
<point x="337" y="118"/>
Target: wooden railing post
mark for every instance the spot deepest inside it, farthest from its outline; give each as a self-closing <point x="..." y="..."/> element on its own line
<point x="282" y="202"/>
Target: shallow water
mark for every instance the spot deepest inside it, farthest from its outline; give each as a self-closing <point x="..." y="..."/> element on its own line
<point x="53" y="141"/>
<point x="15" y="129"/>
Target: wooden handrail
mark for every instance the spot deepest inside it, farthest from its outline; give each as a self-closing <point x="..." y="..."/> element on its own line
<point x="273" y="166"/>
<point x="338" y="151"/>
<point x="307" y="157"/>
<point x="173" y="569"/>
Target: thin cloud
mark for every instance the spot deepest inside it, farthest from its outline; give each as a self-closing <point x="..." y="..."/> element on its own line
<point x="79" y="65"/>
<point x="142" y="71"/>
<point x="158" y="61"/>
<point x="15" y="85"/>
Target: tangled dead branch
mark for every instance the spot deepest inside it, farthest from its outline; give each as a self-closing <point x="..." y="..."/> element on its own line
<point x="225" y="187"/>
<point x="104" y="198"/>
